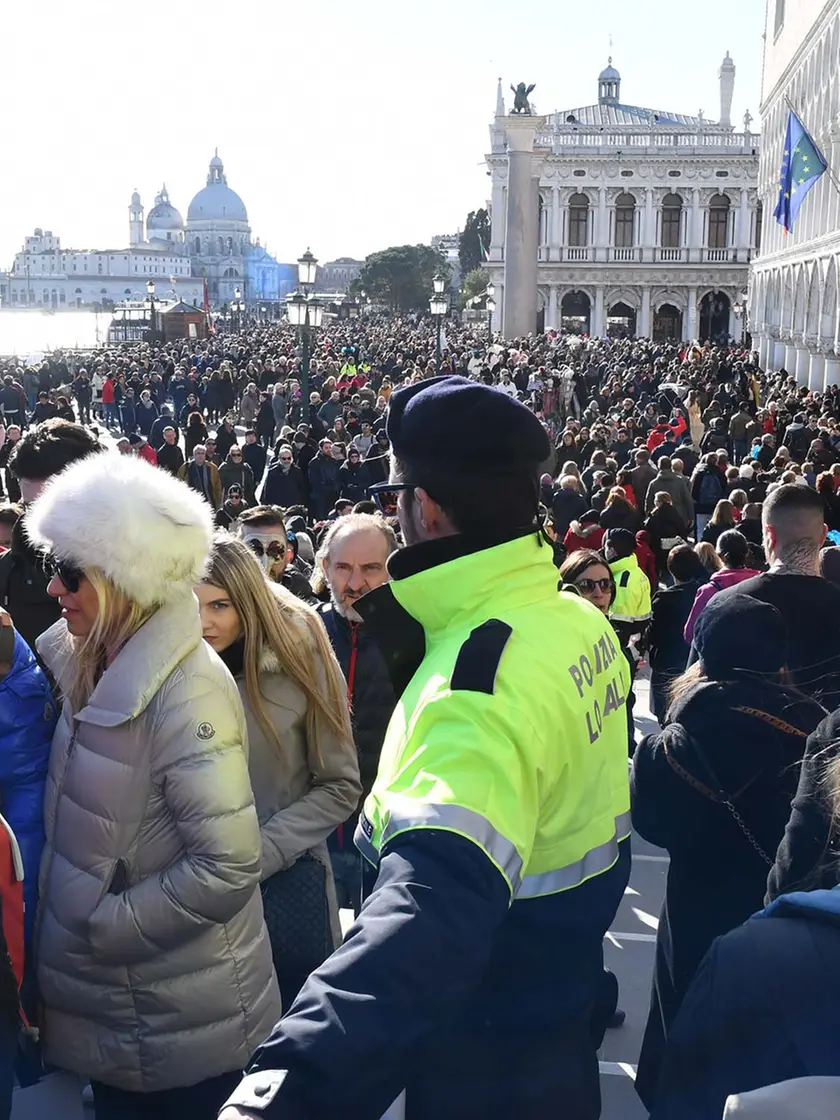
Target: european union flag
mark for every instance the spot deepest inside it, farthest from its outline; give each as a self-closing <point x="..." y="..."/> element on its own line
<point x="802" y="165"/>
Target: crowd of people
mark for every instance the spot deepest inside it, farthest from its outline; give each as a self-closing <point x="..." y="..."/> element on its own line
<point x="279" y="641"/>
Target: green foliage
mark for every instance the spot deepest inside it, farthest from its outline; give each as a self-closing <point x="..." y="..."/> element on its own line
<point x="474" y="284"/>
<point x="475" y="239"/>
<point x="402" y="276"/>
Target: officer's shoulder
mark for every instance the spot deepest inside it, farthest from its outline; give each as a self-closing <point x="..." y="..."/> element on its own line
<point x="477" y="664"/>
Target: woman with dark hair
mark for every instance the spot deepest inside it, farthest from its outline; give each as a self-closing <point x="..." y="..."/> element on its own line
<point x="196" y="433"/>
<point x="567" y="449"/>
<point x="732" y="549"/>
<point x="714" y="787"/>
<point x="589" y="573"/>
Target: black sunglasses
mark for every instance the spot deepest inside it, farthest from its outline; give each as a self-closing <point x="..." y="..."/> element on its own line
<point x="65" y="570"/>
<point x="384" y="494"/>
<point x="587" y="586"/>
<point x="274" y="551"/>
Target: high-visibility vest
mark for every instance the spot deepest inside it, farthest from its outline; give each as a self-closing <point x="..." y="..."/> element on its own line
<point x="512" y="731"/>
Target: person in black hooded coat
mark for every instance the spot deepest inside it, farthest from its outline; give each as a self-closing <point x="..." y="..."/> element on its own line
<point x="733" y="733"/>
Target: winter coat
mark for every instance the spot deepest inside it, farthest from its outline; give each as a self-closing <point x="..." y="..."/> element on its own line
<point x="720" y="581"/>
<point x="284" y="488"/>
<point x="249" y="408"/>
<point x="323" y="483"/>
<point x="152" y="954"/>
<point x="23" y="589"/>
<point x="641" y="477"/>
<point x="619" y="516"/>
<point x="764" y="1008"/>
<point x="195" y="434"/>
<point x="353" y="484"/>
<point x="303" y="790"/>
<point x="752" y="734"/>
<point x="170" y="457"/>
<point x="189" y="474"/>
<point x="679" y="489"/>
<point x="665" y="524"/>
<point x="255" y="455"/>
<point x="146" y="416"/>
<point x="225" y="440"/>
<point x="27" y="724"/>
<point x="583" y="536"/>
<point x="706" y="489"/>
<point x="806" y="857"/>
<point x="372" y="701"/>
<point x="238" y="474"/>
<point x="566" y="507"/>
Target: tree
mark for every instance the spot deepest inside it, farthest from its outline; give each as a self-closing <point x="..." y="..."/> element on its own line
<point x="475" y="241"/>
<point x="475" y="284"/>
<point x="402" y="276"/>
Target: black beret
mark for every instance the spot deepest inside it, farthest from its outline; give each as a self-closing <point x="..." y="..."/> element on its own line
<point x="453" y="423"/>
<point x="735" y="631"/>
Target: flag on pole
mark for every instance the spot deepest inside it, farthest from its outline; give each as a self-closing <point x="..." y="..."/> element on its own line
<point x="485" y="252"/>
<point x="802" y="166"/>
<point x="210" y="326"/>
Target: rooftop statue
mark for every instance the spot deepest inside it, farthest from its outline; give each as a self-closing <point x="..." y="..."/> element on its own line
<point x="521" y="104"/>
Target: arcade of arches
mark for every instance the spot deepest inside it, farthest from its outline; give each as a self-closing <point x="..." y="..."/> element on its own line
<point x="665" y="315"/>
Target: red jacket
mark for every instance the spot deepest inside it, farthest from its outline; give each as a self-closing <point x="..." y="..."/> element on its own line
<point x="583" y="536"/>
<point x="647" y="558"/>
<point x="108" y="391"/>
<point x="657" y="436"/>
<point x="148" y="453"/>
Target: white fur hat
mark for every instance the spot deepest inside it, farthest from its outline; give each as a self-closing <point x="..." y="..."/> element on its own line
<point x="149" y="533"/>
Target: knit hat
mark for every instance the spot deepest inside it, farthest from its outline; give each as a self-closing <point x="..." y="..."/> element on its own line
<point x="146" y="531"/>
<point x="736" y="632"/>
<point x="621" y="541"/>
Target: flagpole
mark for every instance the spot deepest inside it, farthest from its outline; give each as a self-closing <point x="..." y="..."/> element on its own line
<point x="832" y="177"/>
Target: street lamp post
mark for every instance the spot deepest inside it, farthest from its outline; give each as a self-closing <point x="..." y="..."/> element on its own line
<point x="150" y="288"/>
<point x="438" y="306"/>
<point x="237" y="307"/>
<point x="490" y="305"/>
<point x="740" y="309"/>
<point x="305" y="313"/>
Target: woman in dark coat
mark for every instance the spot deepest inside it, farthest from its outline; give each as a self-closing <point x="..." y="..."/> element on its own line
<point x="225" y="439"/>
<point x="714" y="787"/>
<point x="196" y="433"/>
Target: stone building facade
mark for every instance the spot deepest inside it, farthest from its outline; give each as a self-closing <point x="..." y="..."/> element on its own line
<point x="794" y="312"/>
<point x="612" y="218"/>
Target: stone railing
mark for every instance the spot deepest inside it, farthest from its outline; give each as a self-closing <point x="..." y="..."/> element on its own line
<point x="669" y="254"/>
<point x="592" y="136"/>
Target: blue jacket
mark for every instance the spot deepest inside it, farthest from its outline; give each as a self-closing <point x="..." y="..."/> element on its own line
<point x="764" y="1008"/>
<point x="27" y="722"/>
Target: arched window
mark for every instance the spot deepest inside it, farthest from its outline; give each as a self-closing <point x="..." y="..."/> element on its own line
<point x="625" y="220"/>
<point x="127" y="292"/>
<point x="221" y="245"/>
<point x="671" y="221"/>
<point x="53" y="298"/>
<point x="759" y="219"/>
<point x="579" y="220"/>
<point x="45" y="296"/>
<point x="14" y="296"/>
<point x="62" y="298"/>
<point x="198" y="245"/>
<point x="718" y="221"/>
<point x="230" y="245"/>
<point x="78" y="297"/>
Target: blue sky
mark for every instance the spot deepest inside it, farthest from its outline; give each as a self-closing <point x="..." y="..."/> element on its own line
<point x="344" y="126"/>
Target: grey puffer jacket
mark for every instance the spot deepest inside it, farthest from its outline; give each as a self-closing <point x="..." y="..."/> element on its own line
<point x="152" y="953"/>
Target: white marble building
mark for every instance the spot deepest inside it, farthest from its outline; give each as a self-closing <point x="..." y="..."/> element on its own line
<point x="793" y="292"/>
<point x="214" y="243"/>
<point x="612" y="217"/>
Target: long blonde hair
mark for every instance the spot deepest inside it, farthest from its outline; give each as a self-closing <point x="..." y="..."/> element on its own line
<point x="118" y="620"/>
<point x="273" y="620"/>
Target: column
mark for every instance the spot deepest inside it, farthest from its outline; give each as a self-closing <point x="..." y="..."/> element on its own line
<point x="521" y="228"/>
<point x="832" y="371"/>
<point x="778" y="356"/>
<point x="696" y="232"/>
<point x="602" y="233"/>
<point x="803" y="361"/>
<point x="556" y="232"/>
<point x="599" y="322"/>
<point x="649" y="234"/>
<point x="789" y="362"/>
<point x="553" y="316"/>
<point x="497" y="218"/>
<point x="744" y="225"/>
<point x="816" y="372"/>
<point x="644" y="325"/>
<point x="690" y="320"/>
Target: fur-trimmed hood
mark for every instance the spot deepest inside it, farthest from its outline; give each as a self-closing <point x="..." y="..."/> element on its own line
<point x="149" y="533"/>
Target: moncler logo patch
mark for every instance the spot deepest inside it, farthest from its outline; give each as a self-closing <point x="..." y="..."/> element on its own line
<point x="205" y="731"/>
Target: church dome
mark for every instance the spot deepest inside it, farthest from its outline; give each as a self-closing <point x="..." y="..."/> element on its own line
<point x="217" y="202"/>
<point x="163" y="216"/>
<point x="609" y="74"/>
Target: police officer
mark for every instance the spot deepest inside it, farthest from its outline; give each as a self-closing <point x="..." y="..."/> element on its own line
<point x="499" y="818"/>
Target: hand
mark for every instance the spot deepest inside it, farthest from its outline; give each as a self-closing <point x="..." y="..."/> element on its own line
<point x="5" y="618"/>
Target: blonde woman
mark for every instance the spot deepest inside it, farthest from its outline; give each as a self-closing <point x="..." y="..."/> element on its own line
<point x="153" y="960"/>
<point x="303" y="763"/>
